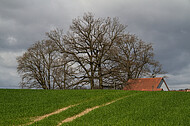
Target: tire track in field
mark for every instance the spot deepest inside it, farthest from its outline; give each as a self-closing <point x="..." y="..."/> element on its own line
<point x="39" y="118"/>
<point x="90" y="109"/>
<point x="49" y="114"/>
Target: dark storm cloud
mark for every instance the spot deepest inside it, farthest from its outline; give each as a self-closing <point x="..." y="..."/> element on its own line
<point x="167" y="25"/>
<point x="164" y="23"/>
<point x="27" y="21"/>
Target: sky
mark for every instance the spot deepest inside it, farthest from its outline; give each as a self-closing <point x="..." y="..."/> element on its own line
<point x="164" y="23"/>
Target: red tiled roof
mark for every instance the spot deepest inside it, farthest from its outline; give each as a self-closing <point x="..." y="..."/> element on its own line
<point x="143" y="84"/>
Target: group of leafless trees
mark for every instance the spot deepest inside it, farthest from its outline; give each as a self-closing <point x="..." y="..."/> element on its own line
<point x="95" y="52"/>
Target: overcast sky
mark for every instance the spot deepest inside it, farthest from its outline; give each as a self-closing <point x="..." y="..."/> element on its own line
<point x="165" y="23"/>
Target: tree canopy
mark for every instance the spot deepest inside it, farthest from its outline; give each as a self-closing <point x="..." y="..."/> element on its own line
<point x="94" y="52"/>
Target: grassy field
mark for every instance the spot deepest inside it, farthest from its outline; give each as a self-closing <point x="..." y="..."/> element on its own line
<point x="149" y="108"/>
<point x="140" y="108"/>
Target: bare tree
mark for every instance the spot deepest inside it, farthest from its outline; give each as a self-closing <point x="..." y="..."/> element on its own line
<point x="133" y="58"/>
<point x="42" y="66"/>
<point x="88" y="40"/>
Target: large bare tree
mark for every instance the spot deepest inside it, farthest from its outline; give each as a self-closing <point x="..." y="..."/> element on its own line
<point x="42" y="66"/>
<point x="88" y="40"/>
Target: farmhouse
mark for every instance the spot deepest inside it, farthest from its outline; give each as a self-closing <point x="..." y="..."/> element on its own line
<point x="146" y="84"/>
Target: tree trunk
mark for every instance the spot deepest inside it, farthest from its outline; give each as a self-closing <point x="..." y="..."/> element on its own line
<point x="100" y="76"/>
<point x="92" y="82"/>
<point x="64" y="79"/>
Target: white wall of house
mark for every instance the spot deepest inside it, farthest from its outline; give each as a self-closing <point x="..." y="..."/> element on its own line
<point x="163" y="86"/>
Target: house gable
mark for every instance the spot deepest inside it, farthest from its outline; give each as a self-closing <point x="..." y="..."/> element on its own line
<point x="163" y="85"/>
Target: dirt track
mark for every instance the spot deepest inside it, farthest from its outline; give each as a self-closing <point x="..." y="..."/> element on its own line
<point x="53" y="113"/>
<point x="87" y="111"/>
<point x="69" y="119"/>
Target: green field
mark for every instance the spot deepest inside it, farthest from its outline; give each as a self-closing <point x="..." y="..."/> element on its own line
<point x="20" y="107"/>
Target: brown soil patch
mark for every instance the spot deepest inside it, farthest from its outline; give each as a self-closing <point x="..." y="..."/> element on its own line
<point x="87" y="111"/>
